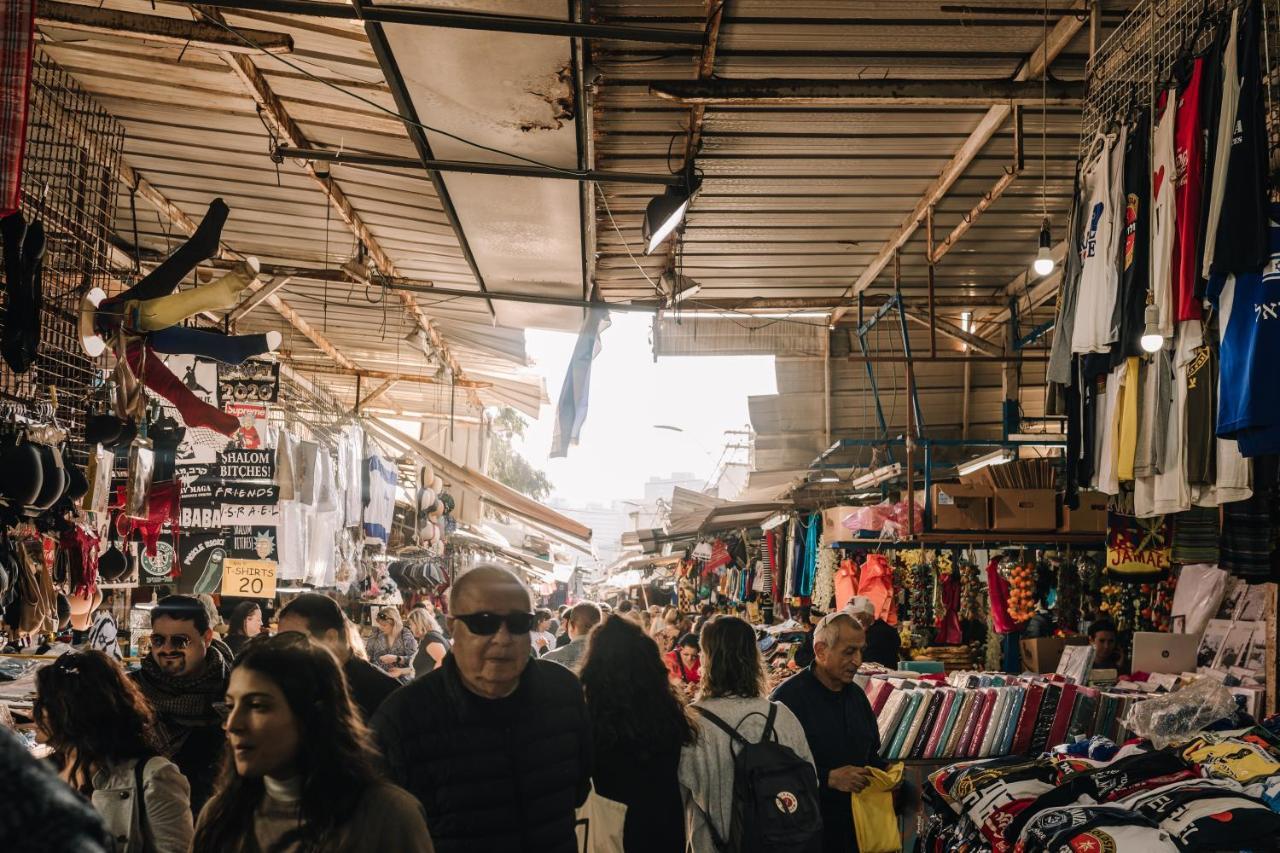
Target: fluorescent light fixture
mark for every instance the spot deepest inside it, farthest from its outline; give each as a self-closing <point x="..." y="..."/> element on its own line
<point x="1044" y="258"/>
<point x="874" y="478"/>
<point x="665" y="213"/>
<point x="997" y="457"/>
<point x="862" y="496"/>
<point x="747" y="314"/>
<point x="679" y="288"/>
<point x="776" y="520"/>
<point x="1152" y="340"/>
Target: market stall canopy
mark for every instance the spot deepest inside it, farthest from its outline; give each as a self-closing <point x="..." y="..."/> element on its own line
<point x="502" y="496"/>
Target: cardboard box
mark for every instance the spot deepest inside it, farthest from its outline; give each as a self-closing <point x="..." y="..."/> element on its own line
<point x="1025" y="509"/>
<point x="959" y="506"/>
<point x="1091" y="517"/>
<point x="1043" y="653"/>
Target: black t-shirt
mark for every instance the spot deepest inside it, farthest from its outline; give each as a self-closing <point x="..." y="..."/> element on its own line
<point x="369" y="685"/>
<point x="884" y="645"/>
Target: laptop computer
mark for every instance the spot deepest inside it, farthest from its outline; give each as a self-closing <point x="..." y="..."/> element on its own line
<point x="1158" y="652"/>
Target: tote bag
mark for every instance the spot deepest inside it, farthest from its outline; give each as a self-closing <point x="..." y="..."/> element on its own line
<point x="600" y="824"/>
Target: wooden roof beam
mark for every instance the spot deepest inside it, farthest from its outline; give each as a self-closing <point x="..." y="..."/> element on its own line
<point x="157" y="29"/>
<point x="1036" y="65"/>
<point x="273" y="111"/>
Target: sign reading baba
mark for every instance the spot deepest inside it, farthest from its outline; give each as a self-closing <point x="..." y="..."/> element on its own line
<point x="250" y="578"/>
<point x="247" y="465"/>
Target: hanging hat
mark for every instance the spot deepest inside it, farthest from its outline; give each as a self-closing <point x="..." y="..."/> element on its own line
<point x="90" y="340"/>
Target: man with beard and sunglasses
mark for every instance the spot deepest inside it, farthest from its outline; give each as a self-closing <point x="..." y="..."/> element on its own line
<point x="185" y="678"/>
<point x="496" y="744"/>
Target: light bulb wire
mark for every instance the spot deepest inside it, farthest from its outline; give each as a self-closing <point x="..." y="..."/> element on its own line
<point x="1044" y="115"/>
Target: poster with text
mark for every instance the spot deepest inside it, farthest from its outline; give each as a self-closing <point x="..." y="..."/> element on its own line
<point x="248" y="504"/>
<point x="255" y="432"/>
<point x="201" y="554"/>
<point x="252" y="543"/>
<point x="236" y="465"/>
<point x="250" y="382"/>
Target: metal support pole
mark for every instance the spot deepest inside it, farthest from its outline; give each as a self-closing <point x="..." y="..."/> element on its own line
<point x="911" y="441"/>
<point x="875" y="391"/>
<point x="826" y="388"/>
<point x="906" y="338"/>
<point x="928" y="486"/>
<point x="933" y="317"/>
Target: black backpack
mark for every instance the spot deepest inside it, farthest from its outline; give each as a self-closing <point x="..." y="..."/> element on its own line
<point x="775" y="794"/>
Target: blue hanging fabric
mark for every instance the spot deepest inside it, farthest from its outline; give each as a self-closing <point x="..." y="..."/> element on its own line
<point x="810" y="554"/>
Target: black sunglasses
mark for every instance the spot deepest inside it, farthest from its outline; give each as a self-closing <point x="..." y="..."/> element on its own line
<point x="487" y="624"/>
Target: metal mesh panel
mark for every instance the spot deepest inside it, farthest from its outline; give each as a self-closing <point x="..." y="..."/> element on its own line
<point x="1136" y="60"/>
<point x="68" y="183"/>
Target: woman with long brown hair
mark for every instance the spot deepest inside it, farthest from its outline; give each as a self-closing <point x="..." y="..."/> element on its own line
<point x="732" y="691"/>
<point x="301" y="774"/>
<point x="103" y="734"/>
<point x="639" y="727"/>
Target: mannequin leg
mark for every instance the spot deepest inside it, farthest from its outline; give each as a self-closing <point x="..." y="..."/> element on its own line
<point x="156" y="314"/>
<point x="160" y="379"/>
<point x="228" y="349"/>
<point x="201" y="246"/>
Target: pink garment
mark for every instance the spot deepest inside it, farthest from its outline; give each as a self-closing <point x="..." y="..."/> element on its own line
<point x="948" y="624"/>
<point x="999" y="587"/>
<point x="877" y="584"/>
<point x="846" y="583"/>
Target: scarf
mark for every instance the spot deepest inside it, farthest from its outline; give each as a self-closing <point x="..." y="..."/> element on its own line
<point x="186" y="702"/>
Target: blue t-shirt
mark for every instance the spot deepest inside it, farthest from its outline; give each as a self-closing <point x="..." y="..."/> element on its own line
<point x="1249" y="305"/>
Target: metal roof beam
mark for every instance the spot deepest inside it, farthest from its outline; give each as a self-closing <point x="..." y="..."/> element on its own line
<point x="286" y="152"/>
<point x="1036" y="65"/>
<point x="272" y="109"/>
<point x="953" y="331"/>
<point x="855" y="93"/>
<point x="437" y="17"/>
<point x="157" y="29"/>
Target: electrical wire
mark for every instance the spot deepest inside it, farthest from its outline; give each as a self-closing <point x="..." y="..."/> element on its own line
<point x="657" y="287"/>
<point x="1044" y="118"/>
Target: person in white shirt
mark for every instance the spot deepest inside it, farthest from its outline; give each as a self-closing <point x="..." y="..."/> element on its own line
<point x="543" y="639"/>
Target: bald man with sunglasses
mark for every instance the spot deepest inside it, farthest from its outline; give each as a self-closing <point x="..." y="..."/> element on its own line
<point x="496" y="744"/>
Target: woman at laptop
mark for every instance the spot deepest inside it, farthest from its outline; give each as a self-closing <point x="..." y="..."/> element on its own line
<point x="1107" y="653"/>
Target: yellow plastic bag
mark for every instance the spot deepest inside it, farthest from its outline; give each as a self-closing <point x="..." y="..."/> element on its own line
<point x="873" y="817"/>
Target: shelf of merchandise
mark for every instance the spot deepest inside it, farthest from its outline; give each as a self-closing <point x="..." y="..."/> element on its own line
<point x="991" y="539"/>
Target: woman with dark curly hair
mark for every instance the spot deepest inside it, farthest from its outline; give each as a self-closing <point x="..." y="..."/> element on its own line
<point x="103" y="734"/>
<point x="246" y="623"/>
<point x="639" y="727"/>
<point x="301" y="774"/>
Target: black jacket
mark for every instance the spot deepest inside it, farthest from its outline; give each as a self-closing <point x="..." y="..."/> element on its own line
<point x="492" y="774"/>
<point x="369" y="685"/>
<point x="841" y="729"/>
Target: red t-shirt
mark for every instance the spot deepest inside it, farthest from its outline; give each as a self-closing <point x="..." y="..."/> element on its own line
<point x="1188" y="152"/>
<point x="680" y="672"/>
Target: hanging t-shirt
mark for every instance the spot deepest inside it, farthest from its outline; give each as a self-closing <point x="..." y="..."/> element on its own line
<point x="1242" y="239"/>
<point x="1188" y="142"/>
<point x="1130" y="395"/>
<point x="1249" y="316"/>
<point x="382" y="498"/>
<point x="877" y="584"/>
<point x="1135" y="244"/>
<point x="1168" y="492"/>
<point x="1163" y="213"/>
<point x="1201" y="373"/>
<point x="1060" y="367"/>
<point x="1220" y="142"/>
<point x="1107" y="476"/>
<point x="1099" y="276"/>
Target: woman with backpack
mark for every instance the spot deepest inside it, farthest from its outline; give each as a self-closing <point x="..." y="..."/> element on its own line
<point x="103" y="734"/>
<point x="738" y="726"/>
<point x="639" y="727"/>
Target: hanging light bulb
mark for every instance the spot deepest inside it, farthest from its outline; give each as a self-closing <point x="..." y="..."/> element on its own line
<point x="1044" y="258"/>
<point x="1152" y="340"/>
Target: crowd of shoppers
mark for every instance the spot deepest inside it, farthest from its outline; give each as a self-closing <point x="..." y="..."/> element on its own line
<point x="484" y="733"/>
